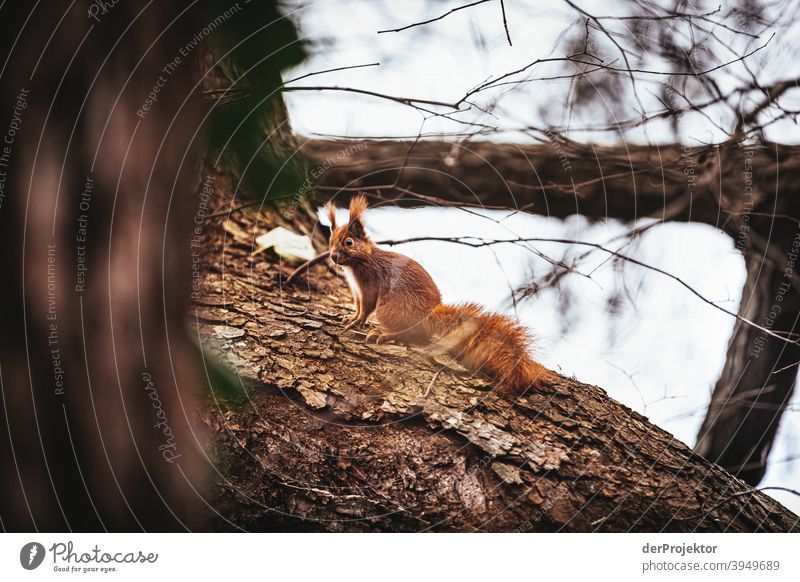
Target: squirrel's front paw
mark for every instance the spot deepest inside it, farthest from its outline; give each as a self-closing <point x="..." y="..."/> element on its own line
<point x="351" y="323"/>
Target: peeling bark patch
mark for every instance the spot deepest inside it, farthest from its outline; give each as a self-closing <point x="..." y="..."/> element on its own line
<point x="228" y="332"/>
<point x="493" y="440"/>
<point x="508" y="473"/>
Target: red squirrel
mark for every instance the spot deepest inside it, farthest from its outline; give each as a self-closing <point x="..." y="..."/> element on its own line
<point x="408" y="306"/>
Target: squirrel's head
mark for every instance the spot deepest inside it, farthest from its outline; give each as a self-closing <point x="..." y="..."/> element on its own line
<point x="349" y="243"/>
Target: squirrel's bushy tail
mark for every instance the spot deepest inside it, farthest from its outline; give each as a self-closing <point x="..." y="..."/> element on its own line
<point x="491" y="343"/>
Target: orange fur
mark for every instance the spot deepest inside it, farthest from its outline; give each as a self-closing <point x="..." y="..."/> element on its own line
<point x="408" y="306"/>
<point x="487" y="342"/>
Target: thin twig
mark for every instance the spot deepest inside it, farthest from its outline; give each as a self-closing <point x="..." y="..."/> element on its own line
<point x="306" y="266"/>
<point x="413" y="102"/>
<point x="331" y="71"/>
<point x="446" y="14"/>
<point x="428" y="389"/>
<point x="505" y="22"/>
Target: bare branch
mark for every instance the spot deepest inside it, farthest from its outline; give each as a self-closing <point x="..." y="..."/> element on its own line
<point x="332" y="71"/>
<point x="411" y="101"/>
<point x="505" y="22"/>
<point x="446" y="14"/>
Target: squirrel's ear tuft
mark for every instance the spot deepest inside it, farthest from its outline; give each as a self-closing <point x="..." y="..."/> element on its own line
<point x="330" y="207"/>
<point x="358" y="204"/>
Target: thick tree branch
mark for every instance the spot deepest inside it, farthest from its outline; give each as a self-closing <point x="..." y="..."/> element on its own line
<point x="561" y="178"/>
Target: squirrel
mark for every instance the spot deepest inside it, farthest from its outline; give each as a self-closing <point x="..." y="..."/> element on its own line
<point x="408" y="306"/>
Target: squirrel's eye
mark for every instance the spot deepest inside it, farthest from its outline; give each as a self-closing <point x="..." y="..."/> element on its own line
<point x="349" y="242"/>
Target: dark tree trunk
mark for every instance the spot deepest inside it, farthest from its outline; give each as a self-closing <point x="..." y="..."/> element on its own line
<point x="95" y="361"/>
<point x="743" y="189"/>
<point x="758" y="379"/>
<point x="336" y="435"/>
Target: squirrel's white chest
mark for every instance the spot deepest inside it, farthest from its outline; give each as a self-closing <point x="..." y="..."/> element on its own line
<point x="351" y="281"/>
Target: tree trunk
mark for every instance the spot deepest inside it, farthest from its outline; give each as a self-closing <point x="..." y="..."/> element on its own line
<point x="738" y="188"/>
<point x="758" y="379"/>
<point x="336" y="435"/>
<point x="95" y="225"/>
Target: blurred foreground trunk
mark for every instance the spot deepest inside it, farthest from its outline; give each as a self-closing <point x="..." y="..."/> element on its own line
<point x="95" y="361"/>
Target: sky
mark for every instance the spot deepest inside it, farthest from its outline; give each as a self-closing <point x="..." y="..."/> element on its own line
<point x="641" y="336"/>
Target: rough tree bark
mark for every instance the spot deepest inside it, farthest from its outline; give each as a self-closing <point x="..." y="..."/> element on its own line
<point x="336" y="435"/>
<point x="743" y="189"/>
